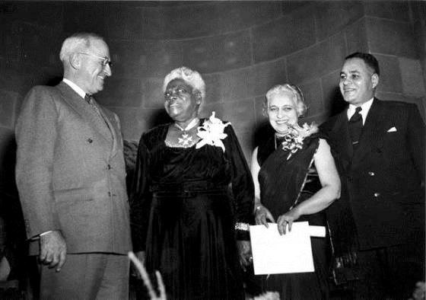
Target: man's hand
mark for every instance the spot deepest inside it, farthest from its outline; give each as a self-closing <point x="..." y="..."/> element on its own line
<point x="53" y="250"/>
<point x="244" y="249"/>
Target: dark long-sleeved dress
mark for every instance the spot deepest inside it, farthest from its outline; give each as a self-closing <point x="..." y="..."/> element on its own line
<point x="283" y="181"/>
<point x="185" y="204"/>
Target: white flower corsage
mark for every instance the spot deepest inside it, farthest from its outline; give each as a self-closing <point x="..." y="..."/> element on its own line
<point x="211" y="133"/>
<point x="293" y="140"/>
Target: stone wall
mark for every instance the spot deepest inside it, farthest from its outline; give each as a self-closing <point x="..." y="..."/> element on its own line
<point x="241" y="48"/>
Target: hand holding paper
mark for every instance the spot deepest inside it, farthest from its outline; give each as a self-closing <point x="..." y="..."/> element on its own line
<point x="278" y="254"/>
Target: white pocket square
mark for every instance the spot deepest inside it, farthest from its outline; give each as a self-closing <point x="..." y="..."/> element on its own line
<point x="393" y="129"/>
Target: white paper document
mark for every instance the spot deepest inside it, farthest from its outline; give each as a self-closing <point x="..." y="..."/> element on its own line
<point x="317" y="231"/>
<point x="280" y="254"/>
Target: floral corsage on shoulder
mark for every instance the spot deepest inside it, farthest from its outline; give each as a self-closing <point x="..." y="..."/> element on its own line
<point x="212" y="132"/>
<point x="293" y="140"/>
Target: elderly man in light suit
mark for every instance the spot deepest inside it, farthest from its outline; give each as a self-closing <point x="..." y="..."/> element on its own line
<point x="71" y="178"/>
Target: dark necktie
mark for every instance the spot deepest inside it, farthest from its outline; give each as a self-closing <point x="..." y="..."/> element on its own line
<point x="91" y="101"/>
<point x="355" y="127"/>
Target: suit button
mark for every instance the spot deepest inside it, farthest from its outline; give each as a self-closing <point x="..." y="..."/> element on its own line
<point x="371" y="173"/>
<point x="377" y="195"/>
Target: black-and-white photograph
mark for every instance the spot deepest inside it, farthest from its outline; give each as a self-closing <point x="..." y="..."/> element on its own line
<point x="212" y="150"/>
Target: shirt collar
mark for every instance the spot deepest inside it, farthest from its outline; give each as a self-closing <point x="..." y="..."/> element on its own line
<point x="75" y="87"/>
<point x="364" y="112"/>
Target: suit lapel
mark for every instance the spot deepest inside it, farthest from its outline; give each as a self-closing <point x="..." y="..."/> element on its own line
<point x="371" y="137"/>
<point x="87" y="112"/>
<point x="113" y="127"/>
<point x="106" y="121"/>
<point x="342" y="140"/>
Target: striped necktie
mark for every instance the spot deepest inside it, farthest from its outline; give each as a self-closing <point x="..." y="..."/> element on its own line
<point x="91" y="101"/>
<point x="355" y="127"/>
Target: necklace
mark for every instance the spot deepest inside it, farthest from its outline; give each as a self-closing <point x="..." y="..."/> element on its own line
<point x="185" y="140"/>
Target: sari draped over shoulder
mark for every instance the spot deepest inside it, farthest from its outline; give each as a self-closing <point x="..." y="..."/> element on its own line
<point x="287" y="179"/>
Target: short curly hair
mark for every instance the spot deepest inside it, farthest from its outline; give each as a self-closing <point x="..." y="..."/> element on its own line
<point x="193" y="78"/>
<point x="301" y="106"/>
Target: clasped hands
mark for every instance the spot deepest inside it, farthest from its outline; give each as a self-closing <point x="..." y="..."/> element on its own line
<point x="263" y="215"/>
<point x="244" y="251"/>
<point x="53" y="250"/>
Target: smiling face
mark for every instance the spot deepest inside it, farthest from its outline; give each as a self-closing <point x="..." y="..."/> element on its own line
<point x="357" y="82"/>
<point x="281" y="111"/>
<point x="181" y="102"/>
<point x="92" y="72"/>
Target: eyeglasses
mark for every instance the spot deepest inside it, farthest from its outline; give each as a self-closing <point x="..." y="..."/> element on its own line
<point x="179" y="92"/>
<point x="104" y="62"/>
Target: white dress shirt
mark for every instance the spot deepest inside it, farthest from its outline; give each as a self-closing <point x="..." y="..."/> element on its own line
<point x="365" y="108"/>
<point x="75" y="87"/>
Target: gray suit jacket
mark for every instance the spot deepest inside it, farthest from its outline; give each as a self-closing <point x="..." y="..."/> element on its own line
<point x="70" y="171"/>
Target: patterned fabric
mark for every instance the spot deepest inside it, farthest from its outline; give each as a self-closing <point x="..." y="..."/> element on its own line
<point x="355" y="127"/>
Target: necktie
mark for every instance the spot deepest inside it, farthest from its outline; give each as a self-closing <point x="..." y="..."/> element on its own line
<point x="91" y="101"/>
<point x="355" y="127"/>
<point x="88" y="98"/>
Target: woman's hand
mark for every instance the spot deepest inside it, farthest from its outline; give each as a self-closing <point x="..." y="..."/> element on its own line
<point x="287" y="219"/>
<point x="262" y="215"/>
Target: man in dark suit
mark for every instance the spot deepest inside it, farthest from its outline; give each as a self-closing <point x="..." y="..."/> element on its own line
<point x="380" y="148"/>
<point x="71" y="179"/>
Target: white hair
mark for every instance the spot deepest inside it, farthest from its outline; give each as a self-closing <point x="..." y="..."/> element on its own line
<point x="191" y="77"/>
<point x="298" y="97"/>
<point x="76" y="43"/>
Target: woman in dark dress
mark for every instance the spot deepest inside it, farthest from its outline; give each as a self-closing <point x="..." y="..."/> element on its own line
<point x="192" y="193"/>
<point x="295" y="179"/>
